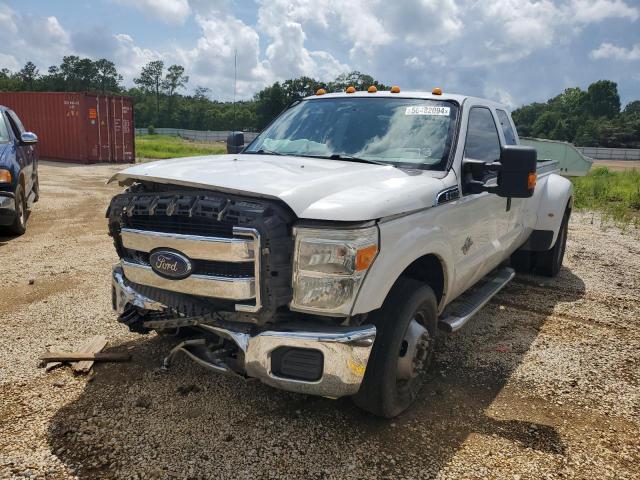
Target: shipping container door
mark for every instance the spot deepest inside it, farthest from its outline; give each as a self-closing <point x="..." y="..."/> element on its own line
<point x="106" y="129"/>
<point x="92" y="108"/>
<point x="127" y="130"/>
<point x="116" y="134"/>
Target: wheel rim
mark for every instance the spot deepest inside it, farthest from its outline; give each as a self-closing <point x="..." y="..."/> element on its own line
<point x="415" y="350"/>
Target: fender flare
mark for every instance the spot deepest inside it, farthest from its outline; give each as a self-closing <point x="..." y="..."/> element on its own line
<point x="556" y="198"/>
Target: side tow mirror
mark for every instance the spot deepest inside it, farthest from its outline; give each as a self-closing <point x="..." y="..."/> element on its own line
<point x="517" y="174"/>
<point x="28" y="138"/>
<point x="235" y="142"/>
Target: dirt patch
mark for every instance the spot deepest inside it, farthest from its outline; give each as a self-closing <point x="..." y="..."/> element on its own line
<point x="544" y="383"/>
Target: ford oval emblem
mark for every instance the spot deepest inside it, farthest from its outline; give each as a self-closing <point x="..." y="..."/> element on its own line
<point x="170" y="264"/>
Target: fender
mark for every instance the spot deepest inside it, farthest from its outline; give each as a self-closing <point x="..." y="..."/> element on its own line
<point x="401" y="243"/>
<point x="555" y="198"/>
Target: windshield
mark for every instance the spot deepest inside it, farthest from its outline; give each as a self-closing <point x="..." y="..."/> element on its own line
<point x="396" y="131"/>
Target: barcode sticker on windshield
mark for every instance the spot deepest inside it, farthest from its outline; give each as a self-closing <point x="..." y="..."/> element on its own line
<point x="421" y="110"/>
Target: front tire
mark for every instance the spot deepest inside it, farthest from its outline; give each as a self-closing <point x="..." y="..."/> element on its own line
<point x="403" y="350"/>
<point x="19" y="225"/>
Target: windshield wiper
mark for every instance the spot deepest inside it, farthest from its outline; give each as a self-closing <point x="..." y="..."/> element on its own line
<point x="347" y="158"/>
<point x="264" y="151"/>
<point x="351" y="158"/>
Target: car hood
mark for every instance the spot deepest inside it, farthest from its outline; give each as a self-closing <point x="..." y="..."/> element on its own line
<point x="316" y="189"/>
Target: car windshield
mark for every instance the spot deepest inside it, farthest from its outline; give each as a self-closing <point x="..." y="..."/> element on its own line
<point x="405" y="132"/>
<point x="4" y="132"/>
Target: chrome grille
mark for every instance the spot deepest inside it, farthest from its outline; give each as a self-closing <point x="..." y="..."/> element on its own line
<point x="242" y="248"/>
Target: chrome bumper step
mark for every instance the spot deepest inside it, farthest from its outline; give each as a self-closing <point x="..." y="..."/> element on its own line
<point x="468" y="304"/>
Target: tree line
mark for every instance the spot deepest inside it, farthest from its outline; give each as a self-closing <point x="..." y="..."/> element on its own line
<point x="159" y="98"/>
<point x="587" y="118"/>
<point x="592" y="118"/>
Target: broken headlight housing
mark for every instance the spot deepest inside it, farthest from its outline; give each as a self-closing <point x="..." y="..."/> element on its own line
<point x="329" y="267"/>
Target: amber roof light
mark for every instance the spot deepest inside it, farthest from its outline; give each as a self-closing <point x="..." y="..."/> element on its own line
<point x="436" y="91"/>
<point x="395" y="89"/>
<point x="351" y="90"/>
<point x="321" y="91"/>
<point x="372" y="89"/>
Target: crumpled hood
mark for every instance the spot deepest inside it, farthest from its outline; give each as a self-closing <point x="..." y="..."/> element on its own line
<point x="316" y="189"/>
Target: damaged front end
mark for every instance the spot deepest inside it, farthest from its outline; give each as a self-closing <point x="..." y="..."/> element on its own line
<point x="221" y="266"/>
<point x="314" y="359"/>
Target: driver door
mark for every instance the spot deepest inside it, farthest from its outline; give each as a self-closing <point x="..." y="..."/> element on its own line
<point x="482" y="219"/>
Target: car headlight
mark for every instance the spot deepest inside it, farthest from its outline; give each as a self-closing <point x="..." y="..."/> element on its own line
<point x="329" y="266"/>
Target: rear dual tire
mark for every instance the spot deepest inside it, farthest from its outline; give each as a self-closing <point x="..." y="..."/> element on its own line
<point x="546" y="263"/>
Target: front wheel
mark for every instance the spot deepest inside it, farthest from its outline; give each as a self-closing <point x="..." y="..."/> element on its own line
<point x="403" y="349"/>
<point x="19" y="225"/>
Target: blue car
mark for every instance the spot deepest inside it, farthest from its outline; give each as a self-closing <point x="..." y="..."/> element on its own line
<point x="18" y="173"/>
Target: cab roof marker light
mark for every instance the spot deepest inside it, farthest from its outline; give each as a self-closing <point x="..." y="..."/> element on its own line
<point x="436" y="91"/>
<point x="395" y="89"/>
<point x="351" y="89"/>
<point x="321" y="91"/>
<point x="372" y="89"/>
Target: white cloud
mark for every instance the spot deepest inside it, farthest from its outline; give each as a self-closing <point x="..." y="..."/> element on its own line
<point x="414" y="63"/>
<point x="169" y="11"/>
<point x="40" y="39"/>
<point x="464" y="45"/>
<point x="592" y="11"/>
<point x="211" y="61"/>
<point x="608" y="50"/>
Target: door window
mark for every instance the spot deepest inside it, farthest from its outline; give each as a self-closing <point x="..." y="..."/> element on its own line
<point x="507" y="130"/>
<point x="482" y="141"/>
<point x="16" y="120"/>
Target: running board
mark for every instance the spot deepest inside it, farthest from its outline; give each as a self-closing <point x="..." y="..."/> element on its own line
<point x="470" y="302"/>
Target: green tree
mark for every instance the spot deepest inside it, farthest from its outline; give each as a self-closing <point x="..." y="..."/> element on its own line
<point x="632" y="108"/>
<point x="151" y="81"/>
<point x="107" y="77"/>
<point x="78" y="74"/>
<point x="355" y="79"/>
<point x="174" y="79"/>
<point x="29" y="75"/>
<point x="298" y="88"/>
<point x="269" y="103"/>
<point x="602" y="99"/>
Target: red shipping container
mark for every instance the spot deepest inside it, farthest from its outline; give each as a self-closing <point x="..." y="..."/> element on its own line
<point x="77" y="127"/>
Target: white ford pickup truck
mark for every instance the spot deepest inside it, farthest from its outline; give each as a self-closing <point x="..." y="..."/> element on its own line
<point x="324" y="257"/>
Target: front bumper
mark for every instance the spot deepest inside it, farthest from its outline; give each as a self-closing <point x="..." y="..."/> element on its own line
<point x="7" y="208"/>
<point x="344" y="350"/>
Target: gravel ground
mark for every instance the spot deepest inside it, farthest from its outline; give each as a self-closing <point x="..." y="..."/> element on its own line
<point x="543" y="384"/>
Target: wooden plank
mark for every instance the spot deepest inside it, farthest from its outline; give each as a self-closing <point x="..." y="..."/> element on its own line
<point x="51" y="365"/>
<point x="82" y="356"/>
<point x="93" y="345"/>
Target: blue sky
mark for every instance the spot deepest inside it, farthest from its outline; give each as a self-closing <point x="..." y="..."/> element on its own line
<point x="515" y="51"/>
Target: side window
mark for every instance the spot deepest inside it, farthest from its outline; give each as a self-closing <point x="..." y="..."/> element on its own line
<point x="509" y="136"/>
<point x="16" y="122"/>
<point x="4" y="132"/>
<point x="482" y="142"/>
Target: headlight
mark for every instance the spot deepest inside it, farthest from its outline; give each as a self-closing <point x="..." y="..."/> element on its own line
<point x="5" y="176"/>
<point x="329" y="266"/>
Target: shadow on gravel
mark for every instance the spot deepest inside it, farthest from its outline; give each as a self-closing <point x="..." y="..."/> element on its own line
<point x="134" y="421"/>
